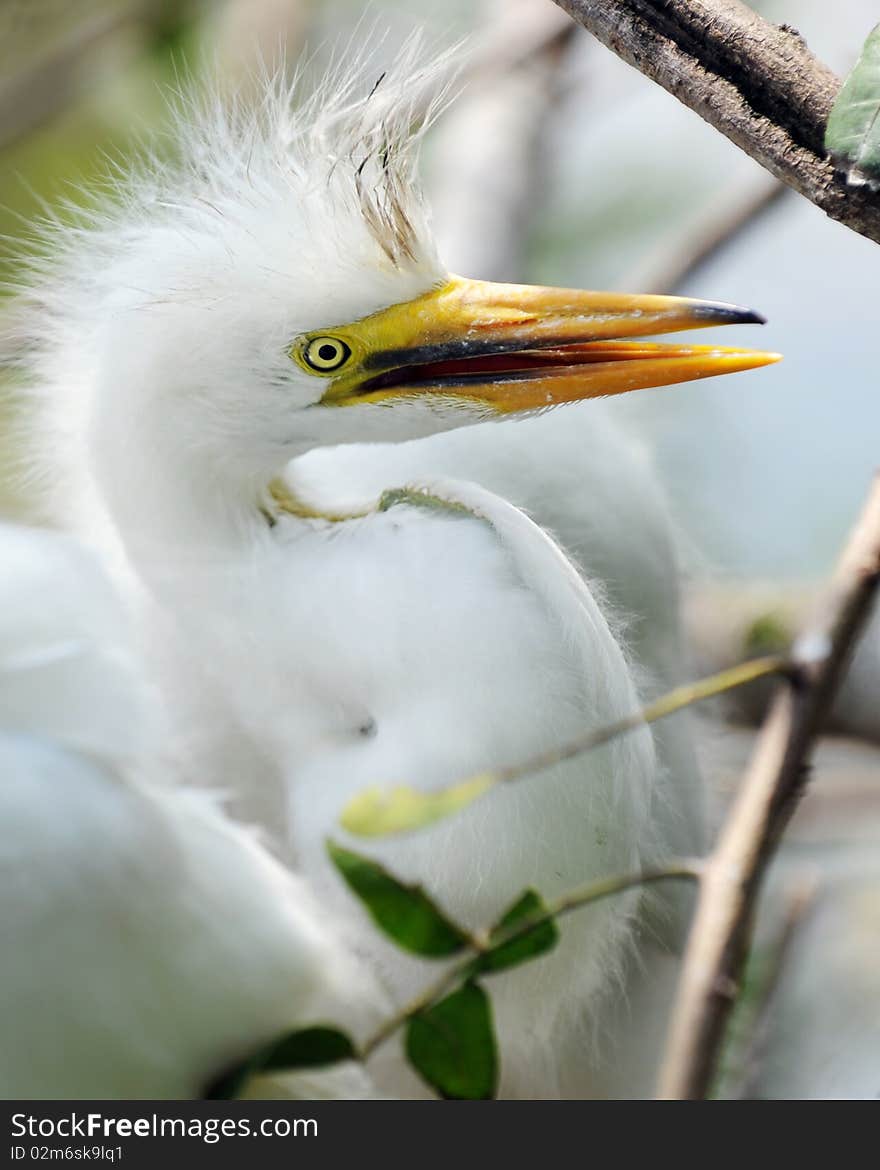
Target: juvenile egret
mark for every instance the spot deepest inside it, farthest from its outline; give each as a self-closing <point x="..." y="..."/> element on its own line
<point x="595" y="491"/>
<point x="278" y="290"/>
<point x="148" y="941"/>
<point x="590" y="486"/>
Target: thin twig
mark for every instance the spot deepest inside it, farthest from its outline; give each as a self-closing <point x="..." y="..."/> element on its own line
<point x="756" y="82"/>
<point x="704" y="237"/>
<point x="486" y="158"/>
<point x="772" y="784"/>
<point x="44" y="87"/>
<point x="49" y="84"/>
<point x="687" y="869"/>
<point x="668" y="704"/>
<point x="384" y="812"/>
<point x="798" y="903"/>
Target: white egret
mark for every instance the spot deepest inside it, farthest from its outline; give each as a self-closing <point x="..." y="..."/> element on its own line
<point x="148" y="941"/>
<point x="276" y="291"/>
<point x="594" y="489"/>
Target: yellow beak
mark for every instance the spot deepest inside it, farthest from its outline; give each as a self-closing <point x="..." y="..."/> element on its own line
<point x="518" y="347"/>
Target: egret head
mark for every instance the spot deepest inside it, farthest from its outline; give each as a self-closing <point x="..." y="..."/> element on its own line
<point x="278" y="288"/>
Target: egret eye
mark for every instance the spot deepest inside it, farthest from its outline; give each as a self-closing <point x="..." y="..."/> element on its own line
<point x="325" y="354"/>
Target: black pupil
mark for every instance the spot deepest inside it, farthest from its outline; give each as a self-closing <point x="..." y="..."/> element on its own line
<point x="327" y="353"/>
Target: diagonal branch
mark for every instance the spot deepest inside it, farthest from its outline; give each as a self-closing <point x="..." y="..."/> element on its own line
<point x="756" y="82"/>
<point x="707" y="234"/>
<point x="769" y="792"/>
<point x="41" y="89"/>
<point x="486" y="156"/>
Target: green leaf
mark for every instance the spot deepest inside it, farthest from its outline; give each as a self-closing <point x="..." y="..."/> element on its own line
<point x="404" y="912"/>
<point x="452" y="1045"/>
<point x="769" y="633"/>
<point x="381" y="812"/>
<point x="534" y="941"/>
<point x="305" y="1048"/>
<point x="230" y="1084"/>
<point x="852" y="136"/>
<point x="309" y="1048"/>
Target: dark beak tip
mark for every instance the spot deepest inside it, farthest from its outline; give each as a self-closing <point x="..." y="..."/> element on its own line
<point x="750" y="317"/>
<point x="715" y="313"/>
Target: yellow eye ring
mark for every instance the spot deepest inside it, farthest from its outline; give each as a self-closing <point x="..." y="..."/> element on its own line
<point x="325" y="354"/>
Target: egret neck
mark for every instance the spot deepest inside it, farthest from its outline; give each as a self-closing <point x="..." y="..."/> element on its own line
<point x="460" y="352"/>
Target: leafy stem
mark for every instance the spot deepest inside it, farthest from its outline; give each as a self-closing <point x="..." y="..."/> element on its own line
<point x="689" y="869"/>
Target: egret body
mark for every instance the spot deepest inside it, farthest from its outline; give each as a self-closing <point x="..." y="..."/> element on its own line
<point x="278" y="291"/>
<point x="149" y="942"/>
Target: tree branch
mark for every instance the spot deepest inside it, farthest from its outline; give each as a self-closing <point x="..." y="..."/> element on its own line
<point x="799" y="901"/>
<point x="770" y="789"/>
<point x="55" y="79"/>
<point x="756" y="82"/>
<point x="704" y="237"/>
<point x="486" y="154"/>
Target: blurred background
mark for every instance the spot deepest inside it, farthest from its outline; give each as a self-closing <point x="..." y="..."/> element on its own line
<point x="597" y="179"/>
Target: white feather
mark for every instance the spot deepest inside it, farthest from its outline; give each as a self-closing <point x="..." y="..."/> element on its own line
<point x="305" y="661"/>
<point x="149" y="943"/>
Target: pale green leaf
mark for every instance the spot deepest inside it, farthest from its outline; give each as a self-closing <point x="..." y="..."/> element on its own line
<point x="852" y="137"/>
<point x="381" y="812"/>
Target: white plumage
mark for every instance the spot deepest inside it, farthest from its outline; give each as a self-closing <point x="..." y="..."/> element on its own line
<point x="306" y="652"/>
<point x="589" y="486"/>
<point x="594" y="490"/>
<point x="149" y="943"/>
